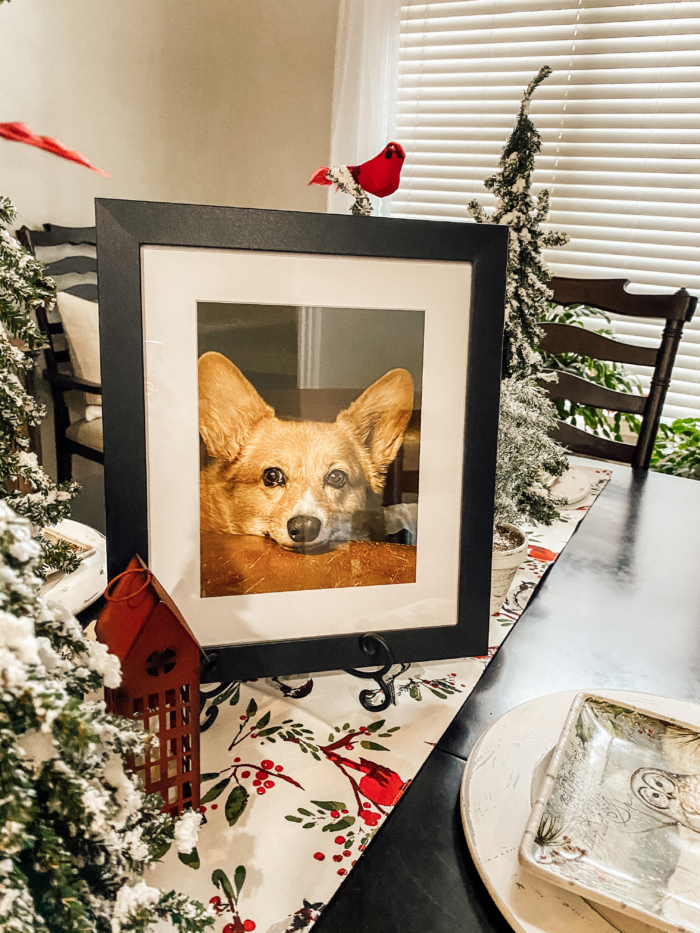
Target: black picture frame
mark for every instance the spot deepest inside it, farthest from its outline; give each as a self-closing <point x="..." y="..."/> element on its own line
<point x="124" y="227"/>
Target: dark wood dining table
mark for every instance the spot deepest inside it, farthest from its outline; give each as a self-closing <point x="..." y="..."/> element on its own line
<point x="620" y="609"/>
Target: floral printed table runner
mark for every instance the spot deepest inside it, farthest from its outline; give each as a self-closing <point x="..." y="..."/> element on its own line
<point x="297" y="777"/>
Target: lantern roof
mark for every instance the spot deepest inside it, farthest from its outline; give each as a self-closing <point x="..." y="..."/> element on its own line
<point x="130" y="607"/>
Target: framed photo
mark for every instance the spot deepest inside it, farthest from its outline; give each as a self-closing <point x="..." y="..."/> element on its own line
<point x="300" y="425"/>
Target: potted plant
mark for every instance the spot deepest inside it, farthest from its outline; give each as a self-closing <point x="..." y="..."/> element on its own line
<point x="526" y="455"/>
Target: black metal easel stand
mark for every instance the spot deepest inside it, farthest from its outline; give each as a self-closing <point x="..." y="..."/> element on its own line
<point x="385" y="693"/>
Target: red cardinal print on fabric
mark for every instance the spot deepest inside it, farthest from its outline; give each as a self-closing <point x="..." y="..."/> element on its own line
<point x="380" y="176"/>
<point x="20" y="133"/>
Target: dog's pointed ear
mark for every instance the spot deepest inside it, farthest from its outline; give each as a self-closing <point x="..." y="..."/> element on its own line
<point x="378" y="419"/>
<point x="229" y="406"/>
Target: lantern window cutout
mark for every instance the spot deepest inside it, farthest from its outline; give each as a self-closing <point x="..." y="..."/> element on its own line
<point x="160" y="660"/>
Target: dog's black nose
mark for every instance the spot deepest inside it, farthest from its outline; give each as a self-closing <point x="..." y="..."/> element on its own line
<point x="303" y="528"/>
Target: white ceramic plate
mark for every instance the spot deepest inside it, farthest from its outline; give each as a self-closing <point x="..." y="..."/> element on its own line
<point x="573" y="485"/>
<point x="78" y="590"/>
<point x="500" y="784"/>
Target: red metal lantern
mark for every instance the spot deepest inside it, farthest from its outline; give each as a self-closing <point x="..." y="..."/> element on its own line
<point x="160" y="682"/>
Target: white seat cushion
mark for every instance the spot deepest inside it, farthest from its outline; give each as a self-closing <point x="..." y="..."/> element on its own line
<point x="80" y="319"/>
<point x="88" y="433"/>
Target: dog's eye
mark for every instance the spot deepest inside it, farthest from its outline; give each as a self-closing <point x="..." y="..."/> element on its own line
<point x="273" y="476"/>
<point x="337" y="479"/>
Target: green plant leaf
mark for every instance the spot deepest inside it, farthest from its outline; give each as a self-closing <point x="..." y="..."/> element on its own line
<point x="252" y="709"/>
<point x="270" y="731"/>
<point x="376" y="726"/>
<point x="329" y="804"/>
<point x="239" y="878"/>
<point x="339" y="824"/>
<point x="263" y="721"/>
<point x="304" y="812"/>
<point x="190" y="858"/>
<point x="209" y="776"/>
<point x="220" y="880"/>
<point x="236" y="804"/>
<point x="162" y="849"/>
<point x="216" y="790"/>
<point x="308" y="826"/>
<point x="374" y="746"/>
<point x="294" y="819"/>
<point x="225" y="695"/>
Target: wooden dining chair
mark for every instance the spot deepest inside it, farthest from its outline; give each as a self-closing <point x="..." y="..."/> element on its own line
<point x="70" y="257"/>
<point x="611" y="295"/>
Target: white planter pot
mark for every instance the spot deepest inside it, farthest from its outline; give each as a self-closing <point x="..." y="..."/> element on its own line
<point x="503" y="568"/>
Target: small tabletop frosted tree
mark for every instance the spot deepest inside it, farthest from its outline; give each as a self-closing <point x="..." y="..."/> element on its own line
<point x="23" y="484"/>
<point x="526" y="454"/>
<point x="527" y="275"/>
<point x="76" y="830"/>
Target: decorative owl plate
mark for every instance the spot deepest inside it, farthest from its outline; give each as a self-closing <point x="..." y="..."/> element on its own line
<point x="617" y="819"/>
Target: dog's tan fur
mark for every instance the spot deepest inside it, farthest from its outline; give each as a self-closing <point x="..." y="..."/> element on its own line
<point x="245" y="438"/>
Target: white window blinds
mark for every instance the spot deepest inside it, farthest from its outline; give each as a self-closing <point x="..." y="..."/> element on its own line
<point x="619" y="123"/>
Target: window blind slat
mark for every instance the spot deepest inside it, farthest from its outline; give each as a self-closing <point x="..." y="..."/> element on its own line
<point x="619" y="124"/>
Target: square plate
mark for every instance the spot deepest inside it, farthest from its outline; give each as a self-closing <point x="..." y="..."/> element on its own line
<point x="617" y="819"/>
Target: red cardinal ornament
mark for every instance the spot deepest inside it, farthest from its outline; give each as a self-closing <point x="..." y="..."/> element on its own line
<point x="20" y="133"/>
<point x="380" y="176"/>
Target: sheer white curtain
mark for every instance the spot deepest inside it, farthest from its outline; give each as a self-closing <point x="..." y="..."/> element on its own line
<point x="364" y="86"/>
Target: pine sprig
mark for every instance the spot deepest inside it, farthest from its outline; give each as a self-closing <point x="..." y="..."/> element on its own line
<point x="527" y="293"/>
<point x="24" y="286"/>
<point x="76" y="829"/>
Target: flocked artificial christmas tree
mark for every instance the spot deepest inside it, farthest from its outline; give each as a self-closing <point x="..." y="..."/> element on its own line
<point x="23" y="484"/>
<point x="527" y="275"/>
<point x="526" y="454"/>
<point x="76" y="831"/>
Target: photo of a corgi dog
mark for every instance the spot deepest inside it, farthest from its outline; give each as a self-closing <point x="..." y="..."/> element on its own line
<point x="303" y="484"/>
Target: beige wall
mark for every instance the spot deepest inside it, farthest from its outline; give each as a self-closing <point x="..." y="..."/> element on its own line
<point x="204" y="101"/>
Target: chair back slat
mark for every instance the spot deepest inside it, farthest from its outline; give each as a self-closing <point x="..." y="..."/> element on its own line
<point x="611" y="295"/>
<point x="568" y="338"/>
<point x="576" y="389"/>
<point x="53" y="235"/>
<point x="591" y="445"/>
<point x="88" y="291"/>
<point x="74" y="264"/>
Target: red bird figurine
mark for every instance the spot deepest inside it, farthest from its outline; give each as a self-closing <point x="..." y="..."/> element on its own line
<point x="20" y="133"/>
<point x="380" y="176"/>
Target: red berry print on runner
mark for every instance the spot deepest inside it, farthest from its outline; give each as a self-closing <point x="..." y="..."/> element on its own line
<point x="232" y="778"/>
<point x="375" y="786"/>
<point x="230" y="903"/>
